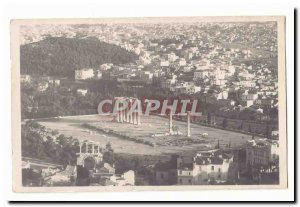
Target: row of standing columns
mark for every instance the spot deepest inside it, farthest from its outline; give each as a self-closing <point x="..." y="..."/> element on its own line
<point x="126" y="115"/>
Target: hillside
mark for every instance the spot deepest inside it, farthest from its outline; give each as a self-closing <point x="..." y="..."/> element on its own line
<point x="59" y="56"/>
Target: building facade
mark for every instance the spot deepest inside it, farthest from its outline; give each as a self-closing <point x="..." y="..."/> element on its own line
<point x="84" y="74"/>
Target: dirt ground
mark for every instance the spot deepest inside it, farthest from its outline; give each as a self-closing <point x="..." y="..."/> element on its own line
<point x="150" y="125"/>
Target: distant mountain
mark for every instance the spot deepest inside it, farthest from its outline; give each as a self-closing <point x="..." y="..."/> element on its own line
<point x="60" y="56"/>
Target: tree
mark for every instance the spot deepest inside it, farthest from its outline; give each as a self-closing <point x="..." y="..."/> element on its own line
<point x="249" y="128"/>
<point x="224" y="123"/>
<point x="40" y="146"/>
<point x="62" y="140"/>
<point x="108" y="146"/>
<point x="218" y="145"/>
<point x="242" y="125"/>
<point x="268" y="130"/>
<point x="55" y="132"/>
<point x="209" y="118"/>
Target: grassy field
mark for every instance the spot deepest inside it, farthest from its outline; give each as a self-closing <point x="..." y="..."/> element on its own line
<point x="72" y="126"/>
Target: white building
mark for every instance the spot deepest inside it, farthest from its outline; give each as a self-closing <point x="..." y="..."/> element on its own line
<point x="25" y="78"/>
<point x="219" y="82"/>
<point x="246" y="75"/>
<point x="181" y="62"/>
<point x="231" y="70"/>
<point x="146" y="76"/>
<point x="172" y="57"/>
<point x="164" y="63"/>
<point x="264" y="101"/>
<point x="84" y="74"/>
<point x="249" y="96"/>
<point x="247" y="83"/>
<point x="167" y="83"/>
<point x="82" y="92"/>
<point x="246" y="103"/>
<point x="222" y="95"/>
<point x="261" y="152"/>
<point x="54" y="82"/>
<point x="129" y="177"/>
<point x="98" y="74"/>
<point x="206" y="167"/>
<point x="42" y="86"/>
<point x="106" y="66"/>
<point x="201" y="74"/>
<point x="185" y="88"/>
<point x="219" y="74"/>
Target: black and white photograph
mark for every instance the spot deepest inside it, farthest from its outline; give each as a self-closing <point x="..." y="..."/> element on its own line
<point x="149" y="103"/>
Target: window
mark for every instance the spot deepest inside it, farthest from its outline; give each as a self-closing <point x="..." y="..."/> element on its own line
<point x="190" y="181"/>
<point x="219" y="170"/>
<point x="162" y="176"/>
<point x="180" y="181"/>
<point x="212" y="168"/>
<point x="180" y="172"/>
<point x="189" y="173"/>
<point x="219" y="176"/>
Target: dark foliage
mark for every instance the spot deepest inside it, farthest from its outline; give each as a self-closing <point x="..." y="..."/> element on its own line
<point x="60" y="56"/>
<point x="36" y="144"/>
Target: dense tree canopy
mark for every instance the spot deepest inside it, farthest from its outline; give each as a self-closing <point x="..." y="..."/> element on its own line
<point x="60" y="56"/>
<point x="36" y="145"/>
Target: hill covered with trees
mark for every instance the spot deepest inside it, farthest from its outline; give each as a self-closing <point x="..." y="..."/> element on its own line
<point x="60" y="56"/>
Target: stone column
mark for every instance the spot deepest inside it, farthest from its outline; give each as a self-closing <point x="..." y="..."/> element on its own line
<point x="170" y="123"/>
<point x="114" y="115"/>
<point x="131" y="112"/>
<point x="80" y="145"/>
<point x="138" y="118"/>
<point x="188" y="123"/>
<point x="124" y="114"/>
<point x="86" y="147"/>
<point x="118" y="116"/>
<point x="121" y="116"/>
<point x="127" y="111"/>
<point x="134" y="117"/>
